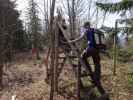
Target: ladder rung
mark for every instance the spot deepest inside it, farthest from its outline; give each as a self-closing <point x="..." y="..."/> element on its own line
<point x="61" y="57"/>
<point x="73" y="57"/>
<point x="60" y="63"/>
<point x="85" y="75"/>
<point x="74" y="65"/>
<point x="61" y="51"/>
<point x="104" y="97"/>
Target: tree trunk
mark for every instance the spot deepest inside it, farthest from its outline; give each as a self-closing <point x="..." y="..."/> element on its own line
<point x="37" y="54"/>
<point x="53" y="49"/>
<point x="73" y="18"/>
<point x="1" y="75"/>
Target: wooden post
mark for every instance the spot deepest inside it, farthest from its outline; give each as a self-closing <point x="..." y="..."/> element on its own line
<point x="115" y="49"/>
<point x="79" y="81"/>
<point x="56" y="56"/>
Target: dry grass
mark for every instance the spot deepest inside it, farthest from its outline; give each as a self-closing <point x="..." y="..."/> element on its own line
<point x="26" y="81"/>
<point x="117" y="85"/>
<point x="35" y="91"/>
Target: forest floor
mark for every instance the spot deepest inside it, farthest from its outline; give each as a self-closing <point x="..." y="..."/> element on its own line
<point x="26" y="80"/>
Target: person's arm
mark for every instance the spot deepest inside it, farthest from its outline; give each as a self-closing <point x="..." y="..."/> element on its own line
<point x="82" y="33"/>
<point x="77" y="39"/>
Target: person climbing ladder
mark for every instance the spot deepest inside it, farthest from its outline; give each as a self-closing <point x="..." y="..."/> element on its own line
<point x="91" y="51"/>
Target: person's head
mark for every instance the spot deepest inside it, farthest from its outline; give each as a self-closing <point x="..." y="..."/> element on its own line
<point x="87" y="25"/>
<point x="64" y="23"/>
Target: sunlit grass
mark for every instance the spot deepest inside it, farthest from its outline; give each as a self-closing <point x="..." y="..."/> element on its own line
<point x="130" y="81"/>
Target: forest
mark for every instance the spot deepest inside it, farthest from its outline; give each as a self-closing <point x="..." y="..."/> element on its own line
<point x="66" y="49"/>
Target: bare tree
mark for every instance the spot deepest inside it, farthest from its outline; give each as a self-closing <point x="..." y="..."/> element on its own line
<point x="52" y="34"/>
<point x="75" y="10"/>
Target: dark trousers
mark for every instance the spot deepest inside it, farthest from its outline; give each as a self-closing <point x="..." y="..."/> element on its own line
<point x="94" y="53"/>
<point x="96" y="75"/>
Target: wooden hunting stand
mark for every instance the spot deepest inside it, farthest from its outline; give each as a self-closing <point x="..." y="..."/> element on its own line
<point x="57" y="62"/>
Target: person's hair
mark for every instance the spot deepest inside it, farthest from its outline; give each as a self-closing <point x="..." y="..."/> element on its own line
<point x="87" y="24"/>
<point x="63" y="20"/>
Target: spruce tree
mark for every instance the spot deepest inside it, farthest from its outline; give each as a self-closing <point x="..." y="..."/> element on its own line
<point x="10" y="24"/>
<point x="34" y="26"/>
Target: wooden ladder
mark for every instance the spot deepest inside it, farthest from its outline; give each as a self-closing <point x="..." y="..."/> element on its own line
<point x="84" y="70"/>
<point x="89" y="92"/>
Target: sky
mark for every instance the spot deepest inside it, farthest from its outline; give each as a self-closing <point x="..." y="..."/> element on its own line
<point x="22" y="6"/>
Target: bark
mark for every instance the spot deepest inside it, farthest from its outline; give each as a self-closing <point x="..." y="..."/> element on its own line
<point x="37" y="54"/>
<point x="53" y="49"/>
<point x="1" y="75"/>
<point x="73" y="18"/>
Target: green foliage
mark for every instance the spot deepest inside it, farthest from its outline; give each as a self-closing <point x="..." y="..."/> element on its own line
<point x="20" y="38"/>
<point x="130" y="81"/>
<point x="34" y="24"/>
<point x="86" y="82"/>
<point x="122" y="54"/>
<point x="120" y="7"/>
<point x="116" y="7"/>
<point x="12" y="35"/>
